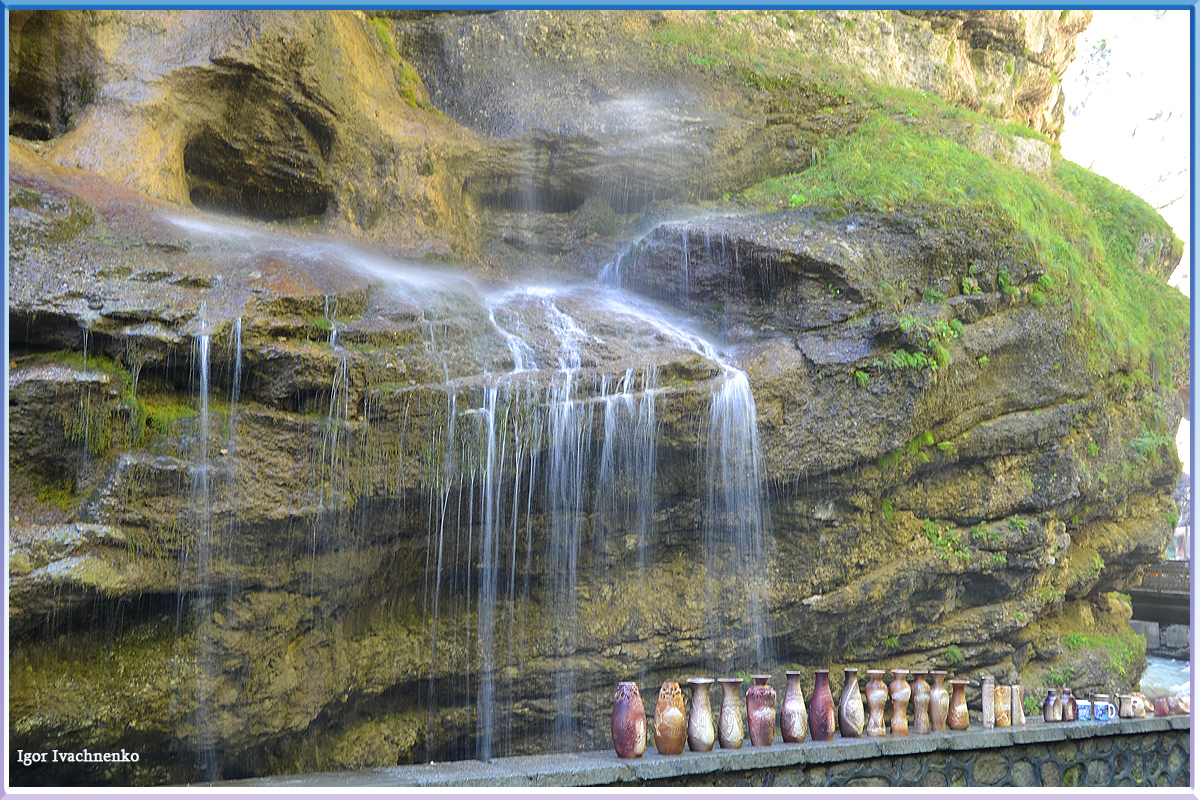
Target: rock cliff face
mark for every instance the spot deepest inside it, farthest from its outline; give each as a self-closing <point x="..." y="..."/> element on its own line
<point x="283" y="503"/>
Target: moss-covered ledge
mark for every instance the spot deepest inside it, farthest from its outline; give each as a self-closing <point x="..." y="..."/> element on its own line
<point x="1149" y="751"/>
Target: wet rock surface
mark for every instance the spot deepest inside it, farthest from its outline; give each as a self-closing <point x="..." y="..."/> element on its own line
<point x="253" y="464"/>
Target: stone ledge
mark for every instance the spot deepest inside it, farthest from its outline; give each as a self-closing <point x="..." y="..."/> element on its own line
<point x="604" y="768"/>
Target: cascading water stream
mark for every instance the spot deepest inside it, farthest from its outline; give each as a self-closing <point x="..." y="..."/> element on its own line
<point x="541" y="485"/>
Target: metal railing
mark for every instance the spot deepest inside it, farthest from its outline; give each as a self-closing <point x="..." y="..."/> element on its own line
<point x="1174" y="577"/>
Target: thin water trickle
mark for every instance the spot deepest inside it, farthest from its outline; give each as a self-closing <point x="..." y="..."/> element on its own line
<point x="541" y="485"/>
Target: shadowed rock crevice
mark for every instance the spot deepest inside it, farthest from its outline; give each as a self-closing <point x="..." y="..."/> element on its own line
<point x="53" y="65"/>
<point x="264" y="153"/>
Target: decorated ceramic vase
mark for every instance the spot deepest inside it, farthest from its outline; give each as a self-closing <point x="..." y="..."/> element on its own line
<point x="958" y="719"/>
<point x="793" y="715"/>
<point x="701" y="731"/>
<point x="1070" y="709"/>
<point x="760" y="709"/>
<point x="1002" y="704"/>
<point x="987" y="701"/>
<point x="920" y="703"/>
<point x="939" y="702"/>
<point x="729" y="725"/>
<point x="1018" y="704"/>
<point x="851" y="715"/>
<point x="628" y="721"/>
<point x="670" y="720"/>
<point x="822" y="713"/>
<point x="1052" y="707"/>
<point x="901" y="692"/>
<point x="876" y="694"/>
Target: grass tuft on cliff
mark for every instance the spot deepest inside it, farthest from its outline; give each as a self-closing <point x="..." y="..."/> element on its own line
<point x="1083" y="229"/>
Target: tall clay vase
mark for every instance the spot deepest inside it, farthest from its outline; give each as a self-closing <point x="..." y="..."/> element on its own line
<point x="920" y="703"/>
<point x="760" y="711"/>
<point x="670" y="720"/>
<point x="957" y="719"/>
<point x="1018" y="704"/>
<point x="628" y="721"/>
<point x="851" y="715"/>
<point x="877" y="696"/>
<point x="822" y="713"/>
<point x="1070" y="708"/>
<point x="939" y="702"/>
<point x="793" y="715"/>
<point x="1002" y="703"/>
<point x="901" y="692"/>
<point x="988" y="700"/>
<point x="729" y="725"/>
<point x="701" y="732"/>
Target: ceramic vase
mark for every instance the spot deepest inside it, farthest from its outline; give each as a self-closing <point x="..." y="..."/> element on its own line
<point x="876" y="694"/>
<point x="670" y="720"/>
<point x="939" y="702"/>
<point x="760" y="708"/>
<point x="1052" y="707"/>
<point x="730" y="733"/>
<point x="822" y="713"/>
<point x="958" y="719"/>
<point x="901" y="692"/>
<point x="793" y="715"/>
<point x="628" y="721"/>
<point x="920" y="703"/>
<point x="1070" y="709"/>
<point x="988" y="700"/>
<point x="1018" y="704"/>
<point x="701" y="732"/>
<point x="1002" y="703"/>
<point x="851" y="715"/>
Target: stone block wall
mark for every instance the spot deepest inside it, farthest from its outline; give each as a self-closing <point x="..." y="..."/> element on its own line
<point x="1153" y="751"/>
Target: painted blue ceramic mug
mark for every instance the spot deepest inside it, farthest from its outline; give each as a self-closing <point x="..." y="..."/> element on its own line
<point x="1103" y="710"/>
<point x="1084" y="710"/>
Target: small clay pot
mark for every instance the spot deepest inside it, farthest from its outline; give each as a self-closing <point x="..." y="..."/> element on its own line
<point x="1002" y="703"/>
<point x="851" y="715"/>
<point x="877" y="696"/>
<point x="920" y="703"/>
<point x="793" y="715"/>
<point x="701" y="731"/>
<point x="988" y="700"/>
<point x="901" y="692"/>
<point x="822" y="713"/>
<point x="628" y="721"/>
<point x="760" y="710"/>
<point x="670" y="720"/>
<point x="939" y="702"/>
<point x="958" y="719"/>
<point x="729" y="725"/>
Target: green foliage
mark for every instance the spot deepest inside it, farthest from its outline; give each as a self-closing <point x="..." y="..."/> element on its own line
<point x="887" y="509"/>
<point x="1074" y="642"/>
<point x="1081" y="226"/>
<point x="1150" y="441"/>
<point x="1019" y="617"/>
<point x="892" y="641"/>
<point x="1093" y="449"/>
<point x="889" y="460"/>
<point x="861" y="378"/>
<point x="1015" y="523"/>
<point x="1037" y="299"/>
<point x="946" y="541"/>
<point x="954" y="654"/>
<point x="796" y="200"/>
<point x="946" y="447"/>
<point x="982" y="360"/>
<point x="932" y="295"/>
